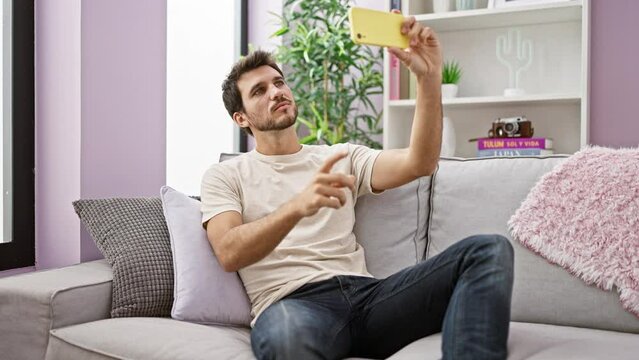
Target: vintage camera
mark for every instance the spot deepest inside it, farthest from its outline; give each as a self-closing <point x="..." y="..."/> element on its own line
<point x="517" y="126"/>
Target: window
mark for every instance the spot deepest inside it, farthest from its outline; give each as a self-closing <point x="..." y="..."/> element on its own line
<point x="17" y="245"/>
<point x="204" y="39"/>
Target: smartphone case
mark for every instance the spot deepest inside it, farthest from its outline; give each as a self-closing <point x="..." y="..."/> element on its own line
<point x="378" y="28"/>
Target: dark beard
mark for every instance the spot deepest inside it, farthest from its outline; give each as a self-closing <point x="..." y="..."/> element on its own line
<point x="271" y="125"/>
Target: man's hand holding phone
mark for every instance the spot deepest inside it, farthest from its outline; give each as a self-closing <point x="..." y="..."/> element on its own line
<point x="415" y="45"/>
<point x="423" y="56"/>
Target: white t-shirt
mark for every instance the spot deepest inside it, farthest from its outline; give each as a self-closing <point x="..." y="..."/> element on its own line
<point x="318" y="247"/>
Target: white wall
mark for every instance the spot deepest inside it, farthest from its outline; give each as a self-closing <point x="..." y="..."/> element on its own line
<point x="201" y="48"/>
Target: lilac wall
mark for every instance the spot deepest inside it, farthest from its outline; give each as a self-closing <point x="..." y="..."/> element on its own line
<point x="123" y="150"/>
<point x="100" y="114"/>
<point x="57" y="127"/>
<point x="614" y="82"/>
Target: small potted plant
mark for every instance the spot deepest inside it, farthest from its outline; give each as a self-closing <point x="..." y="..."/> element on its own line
<point x="451" y="73"/>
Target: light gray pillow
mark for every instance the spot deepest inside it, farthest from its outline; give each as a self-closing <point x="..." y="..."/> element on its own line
<point x="131" y="234"/>
<point x="391" y="227"/>
<point x="203" y="292"/>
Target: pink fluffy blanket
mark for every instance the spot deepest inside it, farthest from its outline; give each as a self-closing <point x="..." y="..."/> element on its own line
<point x="584" y="216"/>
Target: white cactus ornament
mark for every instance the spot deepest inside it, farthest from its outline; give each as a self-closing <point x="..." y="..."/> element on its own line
<point x="517" y="55"/>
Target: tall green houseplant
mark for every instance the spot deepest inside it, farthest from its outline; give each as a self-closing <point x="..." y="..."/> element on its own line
<point x="332" y="78"/>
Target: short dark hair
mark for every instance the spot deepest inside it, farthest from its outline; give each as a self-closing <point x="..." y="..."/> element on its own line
<point x="231" y="93"/>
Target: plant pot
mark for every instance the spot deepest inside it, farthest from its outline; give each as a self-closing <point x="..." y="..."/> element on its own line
<point x="440" y="6"/>
<point x="449" y="91"/>
<point x="448" y="138"/>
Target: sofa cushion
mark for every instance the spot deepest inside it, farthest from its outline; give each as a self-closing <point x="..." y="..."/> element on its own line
<point x="34" y="303"/>
<point x="474" y="196"/>
<point x="203" y="292"/>
<point x="132" y="235"/>
<point x="149" y="338"/>
<point x="584" y="216"/>
<point x="156" y="338"/>
<point x="540" y="341"/>
<point x="391" y="227"/>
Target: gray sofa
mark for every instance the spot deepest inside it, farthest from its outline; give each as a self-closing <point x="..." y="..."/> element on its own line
<point x="64" y="313"/>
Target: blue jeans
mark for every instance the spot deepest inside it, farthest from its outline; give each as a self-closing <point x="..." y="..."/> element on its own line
<point x="464" y="292"/>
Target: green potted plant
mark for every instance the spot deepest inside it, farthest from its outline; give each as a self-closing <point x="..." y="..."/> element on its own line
<point x="332" y="78"/>
<point x="451" y="73"/>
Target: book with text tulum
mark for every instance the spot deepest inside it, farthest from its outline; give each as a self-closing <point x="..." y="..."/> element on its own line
<point x="513" y="152"/>
<point x="514" y="143"/>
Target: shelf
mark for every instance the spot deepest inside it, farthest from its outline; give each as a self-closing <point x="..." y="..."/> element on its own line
<point x="503" y="17"/>
<point x="560" y="31"/>
<point x="469" y="102"/>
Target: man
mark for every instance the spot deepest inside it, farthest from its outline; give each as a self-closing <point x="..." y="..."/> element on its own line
<point x="282" y="216"/>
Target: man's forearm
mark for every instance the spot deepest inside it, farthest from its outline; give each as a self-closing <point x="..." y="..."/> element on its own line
<point x="426" y="133"/>
<point x="249" y="243"/>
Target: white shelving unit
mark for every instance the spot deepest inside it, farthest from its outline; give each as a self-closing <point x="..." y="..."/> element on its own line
<point x="556" y="84"/>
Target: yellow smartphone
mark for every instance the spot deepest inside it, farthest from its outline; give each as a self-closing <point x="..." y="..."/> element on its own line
<point x="372" y="27"/>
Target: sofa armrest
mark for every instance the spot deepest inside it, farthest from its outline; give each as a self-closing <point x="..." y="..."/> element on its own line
<point x="34" y="303"/>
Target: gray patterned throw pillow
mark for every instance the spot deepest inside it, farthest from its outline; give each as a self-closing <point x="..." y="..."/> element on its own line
<point x="132" y="235"/>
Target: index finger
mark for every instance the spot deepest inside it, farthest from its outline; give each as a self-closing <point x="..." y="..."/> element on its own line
<point x="407" y="24"/>
<point x="328" y="164"/>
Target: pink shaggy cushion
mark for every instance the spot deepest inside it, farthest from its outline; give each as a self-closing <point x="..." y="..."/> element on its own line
<point x="584" y="216"/>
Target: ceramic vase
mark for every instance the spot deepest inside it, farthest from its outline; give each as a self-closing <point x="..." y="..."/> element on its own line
<point x="449" y="91"/>
<point x="448" y="138"/>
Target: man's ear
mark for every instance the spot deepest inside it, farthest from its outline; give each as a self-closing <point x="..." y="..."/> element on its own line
<point x="240" y="119"/>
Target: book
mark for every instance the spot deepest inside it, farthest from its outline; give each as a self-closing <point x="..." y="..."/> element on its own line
<point x="404" y="78"/>
<point x="394" y="78"/>
<point x="398" y="73"/>
<point x="513" y="152"/>
<point x="514" y="143"/>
